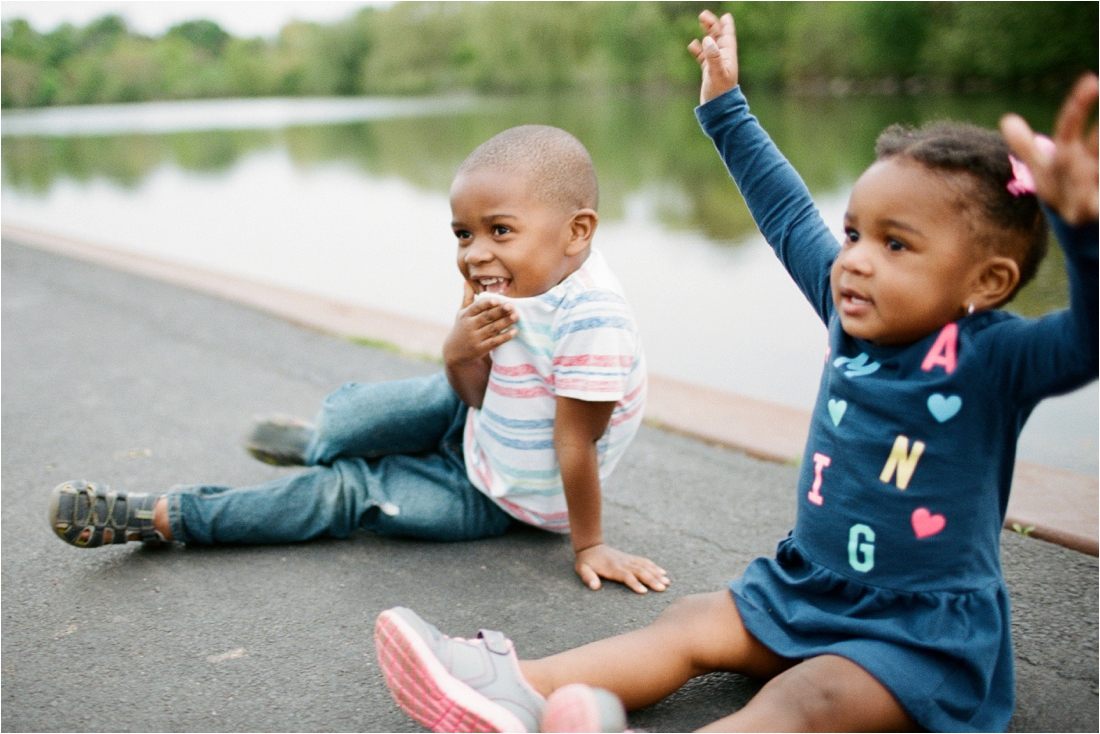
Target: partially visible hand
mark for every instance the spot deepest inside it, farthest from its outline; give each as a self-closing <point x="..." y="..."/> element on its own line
<point x="480" y="327"/>
<point x="603" y="561"/>
<point x="717" y="54"/>
<point x="1067" y="179"/>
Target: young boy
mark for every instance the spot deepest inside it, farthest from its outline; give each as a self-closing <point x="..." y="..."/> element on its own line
<point x="543" y="390"/>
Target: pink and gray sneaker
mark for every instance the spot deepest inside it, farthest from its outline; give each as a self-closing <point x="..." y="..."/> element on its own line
<point x="450" y="684"/>
<point x="580" y="708"/>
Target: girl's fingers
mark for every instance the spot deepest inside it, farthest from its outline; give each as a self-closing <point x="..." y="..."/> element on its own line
<point x="696" y="49"/>
<point x="708" y="20"/>
<point x="729" y="33"/>
<point x="725" y="26"/>
<point x="1065" y="178"/>
<point x="1020" y="138"/>
<point x="1075" y="112"/>
<point x="710" y="48"/>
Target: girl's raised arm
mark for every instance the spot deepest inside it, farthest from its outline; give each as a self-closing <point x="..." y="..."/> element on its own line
<point x="777" y="197"/>
<point x="1058" y="352"/>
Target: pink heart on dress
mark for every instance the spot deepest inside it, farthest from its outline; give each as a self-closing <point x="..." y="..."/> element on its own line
<point x="925" y="524"/>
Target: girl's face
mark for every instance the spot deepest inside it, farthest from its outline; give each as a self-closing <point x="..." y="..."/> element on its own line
<point x="909" y="260"/>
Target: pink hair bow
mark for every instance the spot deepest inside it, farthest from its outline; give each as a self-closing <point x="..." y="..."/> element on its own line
<point x="1022" y="181"/>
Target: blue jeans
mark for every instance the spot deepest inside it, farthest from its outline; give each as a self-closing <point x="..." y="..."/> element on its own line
<point x="387" y="457"/>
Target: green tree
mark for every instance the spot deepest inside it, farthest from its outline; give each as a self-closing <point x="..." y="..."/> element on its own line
<point x="204" y="34"/>
<point x="1037" y="43"/>
<point x="893" y="37"/>
<point x="550" y="47"/>
<point x="103" y="34"/>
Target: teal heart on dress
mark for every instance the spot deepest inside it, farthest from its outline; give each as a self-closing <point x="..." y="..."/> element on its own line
<point x="836" y="410"/>
<point x="943" y="408"/>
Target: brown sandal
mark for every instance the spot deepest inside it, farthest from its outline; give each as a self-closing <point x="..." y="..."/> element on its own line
<point x="112" y="517"/>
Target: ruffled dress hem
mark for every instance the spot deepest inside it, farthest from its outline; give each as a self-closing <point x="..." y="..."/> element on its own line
<point x="944" y="655"/>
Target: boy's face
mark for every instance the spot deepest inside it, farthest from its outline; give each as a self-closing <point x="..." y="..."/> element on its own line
<point x="908" y="259"/>
<point x="510" y="242"/>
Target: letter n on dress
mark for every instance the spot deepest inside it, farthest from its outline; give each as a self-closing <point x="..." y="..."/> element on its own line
<point x="903" y="461"/>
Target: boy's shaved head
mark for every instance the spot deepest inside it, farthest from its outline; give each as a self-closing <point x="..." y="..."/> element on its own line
<point x="556" y="165"/>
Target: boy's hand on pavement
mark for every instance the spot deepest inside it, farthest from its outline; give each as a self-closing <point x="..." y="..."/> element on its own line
<point x="716" y="54"/>
<point x="636" y="572"/>
<point x="1066" y="180"/>
<point x="480" y="327"/>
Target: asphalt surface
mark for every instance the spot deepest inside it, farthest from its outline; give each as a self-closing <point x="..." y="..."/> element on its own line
<point x="113" y="378"/>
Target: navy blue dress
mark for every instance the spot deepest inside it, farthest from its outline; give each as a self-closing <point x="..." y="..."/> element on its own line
<point x="894" y="560"/>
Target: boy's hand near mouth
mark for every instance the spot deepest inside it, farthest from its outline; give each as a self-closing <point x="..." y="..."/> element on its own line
<point x="481" y="326"/>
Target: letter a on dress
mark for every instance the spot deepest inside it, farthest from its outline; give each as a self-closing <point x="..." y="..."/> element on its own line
<point x="942" y="353"/>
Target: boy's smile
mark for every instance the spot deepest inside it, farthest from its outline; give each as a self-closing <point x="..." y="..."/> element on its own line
<point x="908" y="261"/>
<point x="509" y="241"/>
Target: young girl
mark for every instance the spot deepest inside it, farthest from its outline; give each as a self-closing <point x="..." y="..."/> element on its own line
<point x="885" y="608"/>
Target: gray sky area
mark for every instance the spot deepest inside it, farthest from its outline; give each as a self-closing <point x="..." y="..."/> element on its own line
<point x="239" y="17"/>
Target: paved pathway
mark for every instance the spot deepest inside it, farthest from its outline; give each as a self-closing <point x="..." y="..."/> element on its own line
<point x="114" y="378"/>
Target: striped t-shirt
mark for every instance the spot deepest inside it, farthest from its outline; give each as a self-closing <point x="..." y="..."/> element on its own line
<point x="577" y="340"/>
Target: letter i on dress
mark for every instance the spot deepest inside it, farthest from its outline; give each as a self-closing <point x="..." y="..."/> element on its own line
<point x="820" y="462"/>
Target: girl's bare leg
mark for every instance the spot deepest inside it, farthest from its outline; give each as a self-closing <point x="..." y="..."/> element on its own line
<point x="703" y="633"/>
<point x="826" y="693"/>
<point x="697" y="634"/>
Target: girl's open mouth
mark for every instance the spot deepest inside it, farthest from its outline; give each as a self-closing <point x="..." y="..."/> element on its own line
<point x="851" y="303"/>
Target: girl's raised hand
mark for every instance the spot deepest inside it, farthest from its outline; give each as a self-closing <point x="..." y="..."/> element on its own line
<point x="716" y="54"/>
<point x="1066" y="180"/>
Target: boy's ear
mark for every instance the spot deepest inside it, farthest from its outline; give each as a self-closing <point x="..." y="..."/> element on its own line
<point x="996" y="282"/>
<point x="581" y="228"/>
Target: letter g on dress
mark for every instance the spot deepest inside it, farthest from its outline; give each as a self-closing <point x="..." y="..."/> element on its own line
<point x="861" y="555"/>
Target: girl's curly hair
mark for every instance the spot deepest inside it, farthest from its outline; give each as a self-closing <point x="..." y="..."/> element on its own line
<point x="1016" y="226"/>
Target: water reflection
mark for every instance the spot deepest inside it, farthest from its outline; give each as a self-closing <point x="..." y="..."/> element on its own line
<point x="636" y="143"/>
<point x="357" y="211"/>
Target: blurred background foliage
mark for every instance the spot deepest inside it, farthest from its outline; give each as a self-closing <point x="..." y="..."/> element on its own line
<point x="638" y="143"/>
<point x="827" y="49"/>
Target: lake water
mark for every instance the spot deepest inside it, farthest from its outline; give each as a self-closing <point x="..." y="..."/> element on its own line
<point x="347" y="198"/>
